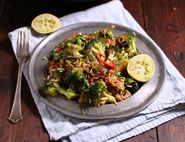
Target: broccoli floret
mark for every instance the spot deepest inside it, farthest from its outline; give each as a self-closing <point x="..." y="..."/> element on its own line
<point x="98" y="47"/>
<point x="72" y="51"/>
<point x="80" y="40"/>
<point x="98" y="94"/>
<point x="51" y="90"/>
<point x="105" y="98"/>
<point x="89" y="54"/>
<point x="97" y="89"/>
<point x="77" y="77"/>
<point x="54" y="88"/>
<point x="75" y="50"/>
<point x="77" y="38"/>
<point x="132" y="42"/>
<point x="69" y="93"/>
<point x="57" y="56"/>
<point x="93" y="47"/>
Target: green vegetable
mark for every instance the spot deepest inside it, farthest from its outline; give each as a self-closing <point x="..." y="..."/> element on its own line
<point x="74" y="50"/>
<point x="60" y="70"/>
<point x="54" y="88"/>
<point x="51" y="90"/>
<point x="77" y="77"/>
<point x="69" y="93"/>
<point x="71" y="50"/>
<point x="97" y="89"/>
<point x="105" y="98"/>
<point x="89" y="54"/>
<point x="132" y="42"/>
<point x="80" y="40"/>
<point x="98" y="47"/>
<point x="57" y="56"/>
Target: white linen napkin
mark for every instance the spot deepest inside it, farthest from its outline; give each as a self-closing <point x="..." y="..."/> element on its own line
<point x="168" y="105"/>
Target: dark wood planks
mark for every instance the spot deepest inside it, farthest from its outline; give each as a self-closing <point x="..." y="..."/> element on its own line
<point x="30" y="128"/>
<point x="136" y="10"/>
<point x="149" y="136"/>
<point x="164" y="22"/>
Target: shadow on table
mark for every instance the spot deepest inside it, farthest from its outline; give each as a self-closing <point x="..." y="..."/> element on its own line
<point x="19" y="13"/>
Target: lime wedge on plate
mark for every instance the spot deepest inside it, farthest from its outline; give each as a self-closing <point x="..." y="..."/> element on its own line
<point x="45" y="23"/>
<point x="141" y="67"/>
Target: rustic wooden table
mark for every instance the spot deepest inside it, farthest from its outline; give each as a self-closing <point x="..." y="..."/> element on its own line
<point x="163" y="20"/>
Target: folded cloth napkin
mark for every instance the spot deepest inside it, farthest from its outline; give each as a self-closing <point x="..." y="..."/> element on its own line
<point x="168" y="105"/>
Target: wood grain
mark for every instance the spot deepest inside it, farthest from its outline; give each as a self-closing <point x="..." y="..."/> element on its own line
<point x="136" y="10"/>
<point x="164" y="21"/>
<point x="30" y="129"/>
<point x="166" y="26"/>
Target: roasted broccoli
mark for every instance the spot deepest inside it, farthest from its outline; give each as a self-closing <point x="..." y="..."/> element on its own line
<point x="98" y="94"/>
<point x="74" y="50"/>
<point x="105" y="98"/>
<point x="98" y="47"/>
<point x="132" y="42"/>
<point x="79" y="39"/>
<point x="54" y="88"/>
<point x="97" y="89"/>
<point x="71" y="50"/>
<point x="51" y="90"/>
<point x="89" y="54"/>
<point x="77" y="77"/>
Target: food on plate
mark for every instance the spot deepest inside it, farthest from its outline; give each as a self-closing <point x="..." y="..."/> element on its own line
<point x="46" y="23"/>
<point x="97" y="68"/>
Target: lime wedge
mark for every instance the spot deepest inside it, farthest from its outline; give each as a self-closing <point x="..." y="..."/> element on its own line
<point x="46" y="23"/>
<point x="141" y="67"/>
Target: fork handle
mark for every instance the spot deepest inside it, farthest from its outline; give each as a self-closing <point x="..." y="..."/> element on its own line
<point x="16" y="113"/>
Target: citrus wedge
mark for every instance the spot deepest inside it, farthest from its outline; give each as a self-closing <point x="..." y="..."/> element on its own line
<point x="45" y="23"/>
<point x="141" y="67"/>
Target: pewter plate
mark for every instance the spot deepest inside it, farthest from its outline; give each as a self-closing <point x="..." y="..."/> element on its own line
<point x="134" y="104"/>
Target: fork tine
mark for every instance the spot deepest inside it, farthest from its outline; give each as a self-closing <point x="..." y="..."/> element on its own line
<point x="23" y="43"/>
<point x="20" y="41"/>
<point x="26" y="42"/>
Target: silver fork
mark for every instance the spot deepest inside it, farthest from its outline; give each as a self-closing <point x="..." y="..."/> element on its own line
<point x="22" y="57"/>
